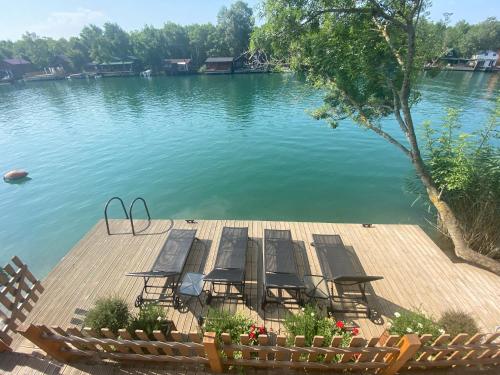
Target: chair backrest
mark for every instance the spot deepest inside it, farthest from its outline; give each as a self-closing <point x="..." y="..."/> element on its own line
<point x="278" y="252"/>
<point x="232" y="250"/>
<point x="174" y="253"/>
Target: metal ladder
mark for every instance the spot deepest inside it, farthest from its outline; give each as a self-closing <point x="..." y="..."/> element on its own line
<point x="128" y="215"/>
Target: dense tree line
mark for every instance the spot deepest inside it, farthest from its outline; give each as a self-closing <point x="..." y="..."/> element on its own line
<point x="233" y="34"/>
<point x="461" y="39"/>
<point x="229" y="37"/>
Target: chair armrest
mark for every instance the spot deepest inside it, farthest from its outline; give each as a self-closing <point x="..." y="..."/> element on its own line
<point x="356" y="279"/>
<point x="148" y="274"/>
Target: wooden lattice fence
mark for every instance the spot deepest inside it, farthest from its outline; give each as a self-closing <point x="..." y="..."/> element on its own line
<point x="386" y="355"/>
<point x="19" y="291"/>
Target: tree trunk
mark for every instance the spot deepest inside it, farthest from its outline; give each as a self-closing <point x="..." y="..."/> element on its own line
<point x="451" y="223"/>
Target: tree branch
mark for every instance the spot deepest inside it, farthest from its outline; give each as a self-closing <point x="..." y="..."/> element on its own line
<point x="381" y="12"/>
<point x="368" y="124"/>
<point x="385" y="34"/>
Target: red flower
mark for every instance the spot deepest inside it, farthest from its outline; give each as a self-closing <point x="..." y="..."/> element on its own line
<point x="252" y="329"/>
<point x="339" y="324"/>
<point x="262" y="330"/>
<point x="251" y="336"/>
<point x="355" y="331"/>
<point x="252" y="326"/>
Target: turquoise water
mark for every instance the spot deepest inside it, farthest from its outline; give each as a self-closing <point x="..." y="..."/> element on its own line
<point x="237" y="146"/>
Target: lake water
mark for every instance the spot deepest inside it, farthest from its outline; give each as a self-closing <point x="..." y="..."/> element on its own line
<point x="237" y="146"/>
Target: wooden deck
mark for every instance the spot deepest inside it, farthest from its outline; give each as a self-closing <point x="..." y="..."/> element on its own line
<point x="417" y="274"/>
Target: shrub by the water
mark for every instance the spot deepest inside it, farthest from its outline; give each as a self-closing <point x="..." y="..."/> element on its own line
<point x="455" y="322"/>
<point x="110" y="312"/>
<point x="151" y="317"/>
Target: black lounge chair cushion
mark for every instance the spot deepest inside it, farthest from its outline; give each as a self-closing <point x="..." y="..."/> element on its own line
<point x="232" y="275"/>
<point x="337" y="263"/>
<point x="284" y="281"/>
<point x="279" y="255"/>
<point x="172" y="256"/>
<point x="232" y="248"/>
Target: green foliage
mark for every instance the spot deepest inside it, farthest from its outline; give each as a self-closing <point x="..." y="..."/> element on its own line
<point x="110" y="312"/>
<point x="225" y="322"/>
<point x="455" y="322"/>
<point x="235" y="25"/>
<point x="151" y="317"/>
<point x="343" y="53"/>
<point x="466" y="169"/>
<point x="309" y="323"/>
<point x="414" y="322"/>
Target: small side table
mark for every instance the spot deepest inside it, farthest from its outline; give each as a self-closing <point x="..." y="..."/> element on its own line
<point x="191" y="286"/>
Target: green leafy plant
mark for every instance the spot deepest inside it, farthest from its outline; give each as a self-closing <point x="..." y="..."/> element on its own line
<point x="465" y="168"/>
<point x="414" y="322"/>
<point x="225" y="322"/>
<point x="455" y="322"/>
<point x="110" y="312"/>
<point x="151" y="317"/>
<point x="309" y="323"/>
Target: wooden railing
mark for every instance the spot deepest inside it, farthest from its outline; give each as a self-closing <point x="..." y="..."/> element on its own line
<point x="386" y="355"/>
<point x="72" y="345"/>
<point x="19" y="291"/>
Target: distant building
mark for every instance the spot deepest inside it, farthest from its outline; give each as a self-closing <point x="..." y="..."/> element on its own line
<point x="485" y="60"/>
<point x="16" y="68"/>
<point x="219" y="65"/>
<point x="116" y="68"/>
<point x="177" y="66"/>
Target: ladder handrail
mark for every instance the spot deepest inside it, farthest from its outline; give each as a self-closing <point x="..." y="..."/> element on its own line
<point x="106" y="211"/>
<point x="130" y="212"/>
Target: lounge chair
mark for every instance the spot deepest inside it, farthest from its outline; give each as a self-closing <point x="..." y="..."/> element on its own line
<point x="280" y="271"/>
<point x="169" y="264"/>
<point x="339" y="268"/>
<point x="229" y="269"/>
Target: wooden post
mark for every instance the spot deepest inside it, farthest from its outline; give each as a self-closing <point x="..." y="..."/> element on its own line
<point x="212" y="352"/>
<point x="408" y="347"/>
<point x="57" y="350"/>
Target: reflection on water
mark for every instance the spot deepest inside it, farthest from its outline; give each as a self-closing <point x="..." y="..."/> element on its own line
<point x="237" y="146"/>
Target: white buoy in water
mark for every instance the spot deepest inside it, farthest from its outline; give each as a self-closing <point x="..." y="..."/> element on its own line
<point x="16" y="174"/>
